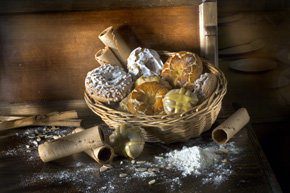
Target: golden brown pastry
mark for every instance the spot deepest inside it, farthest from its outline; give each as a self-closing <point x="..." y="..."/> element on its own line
<point x="146" y="99"/>
<point x="124" y="104"/>
<point x="179" y="100"/>
<point x="144" y="79"/>
<point x="182" y="69"/>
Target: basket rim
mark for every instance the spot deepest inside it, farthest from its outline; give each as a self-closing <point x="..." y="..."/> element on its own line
<point x="209" y="103"/>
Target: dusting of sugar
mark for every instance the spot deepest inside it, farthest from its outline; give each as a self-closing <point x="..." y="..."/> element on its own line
<point x="198" y="161"/>
<point x="191" y="160"/>
<point x="195" y="161"/>
<point x="144" y="62"/>
<point x="109" y="81"/>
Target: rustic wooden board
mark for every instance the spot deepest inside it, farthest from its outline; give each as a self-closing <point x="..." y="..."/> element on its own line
<point x="20" y="6"/>
<point x="24" y="172"/>
<point x="46" y="56"/>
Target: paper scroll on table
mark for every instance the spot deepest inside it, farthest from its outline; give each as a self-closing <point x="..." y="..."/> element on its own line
<point x="102" y="154"/>
<point x="227" y="129"/>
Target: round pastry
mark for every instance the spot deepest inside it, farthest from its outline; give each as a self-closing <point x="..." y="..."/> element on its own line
<point x="127" y="140"/>
<point x="146" y="99"/>
<point x="205" y="85"/>
<point x="144" y="62"/>
<point x="108" y="83"/>
<point x="179" y="100"/>
<point x="144" y="79"/>
<point x="182" y="69"/>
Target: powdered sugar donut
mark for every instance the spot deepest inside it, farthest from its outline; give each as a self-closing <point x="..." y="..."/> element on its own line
<point x="108" y="83"/>
<point x="144" y="62"/>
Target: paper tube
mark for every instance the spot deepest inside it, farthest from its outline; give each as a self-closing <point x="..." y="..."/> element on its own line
<point x="225" y="131"/>
<point x="114" y="41"/>
<point x="70" y="144"/>
<point x="106" y="56"/>
<point x="102" y="154"/>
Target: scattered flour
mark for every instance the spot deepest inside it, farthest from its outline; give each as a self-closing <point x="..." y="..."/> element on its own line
<point x="208" y="162"/>
<point x="212" y="160"/>
<point x="192" y="160"/>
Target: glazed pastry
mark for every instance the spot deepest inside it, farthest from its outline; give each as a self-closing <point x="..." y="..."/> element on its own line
<point x="144" y="79"/>
<point x="205" y="85"/>
<point x="146" y="99"/>
<point x="179" y="100"/>
<point x="124" y="104"/>
<point x="182" y="69"/>
<point x="144" y="62"/>
<point x="108" y="83"/>
<point x="128" y="141"/>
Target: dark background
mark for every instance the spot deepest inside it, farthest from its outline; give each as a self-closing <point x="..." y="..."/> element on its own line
<point x="60" y="37"/>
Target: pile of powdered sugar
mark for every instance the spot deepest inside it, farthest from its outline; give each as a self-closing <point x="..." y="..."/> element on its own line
<point x="213" y="160"/>
<point x="191" y="160"/>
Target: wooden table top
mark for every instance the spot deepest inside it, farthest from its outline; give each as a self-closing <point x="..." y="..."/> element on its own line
<point x="244" y="168"/>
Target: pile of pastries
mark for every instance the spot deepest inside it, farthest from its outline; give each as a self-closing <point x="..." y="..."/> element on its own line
<point x="147" y="86"/>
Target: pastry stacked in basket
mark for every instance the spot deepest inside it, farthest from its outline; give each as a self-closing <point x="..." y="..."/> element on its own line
<point x="170" y="96"/>
<point x="149" y="86"/>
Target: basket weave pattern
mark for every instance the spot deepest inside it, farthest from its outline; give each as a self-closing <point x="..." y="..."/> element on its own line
<point x="169" y="128"/>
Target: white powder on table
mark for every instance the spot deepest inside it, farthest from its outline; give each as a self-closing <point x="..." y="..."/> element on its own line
<point x="192" y="160"/>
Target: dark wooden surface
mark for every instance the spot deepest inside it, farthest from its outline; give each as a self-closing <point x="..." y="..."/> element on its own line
<point x="46" y="56"/>
<point x="21" y="6"/>
<point x="22" y="172"/>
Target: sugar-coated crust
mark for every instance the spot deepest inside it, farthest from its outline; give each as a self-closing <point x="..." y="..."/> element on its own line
<point x="182" y="69"/>
<point x="146" y="99"/>
<point x="108" y="83"/>
<point x="144" y="62"/>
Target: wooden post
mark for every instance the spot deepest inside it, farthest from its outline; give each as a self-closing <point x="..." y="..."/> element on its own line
<point x="208" y="31"/>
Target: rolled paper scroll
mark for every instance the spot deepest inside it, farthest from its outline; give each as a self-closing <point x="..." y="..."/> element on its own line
<point x="71" y="144"/>
<point x="114" y="41"/>
<point x="226" y="130"/>
<point x="102" y="154"/>
<point x="106" y="56"/>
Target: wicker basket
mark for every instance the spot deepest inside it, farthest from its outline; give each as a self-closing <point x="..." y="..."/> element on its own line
<point x="169" y="128"/>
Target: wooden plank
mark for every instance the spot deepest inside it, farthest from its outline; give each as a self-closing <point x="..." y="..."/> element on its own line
<point x="269" y="174"/>
<point x="21" y="6"/>
<point x="47" y="119"/>
<point x="47" y="56"/>
<point x="245" y="169"/>
<point x="208" y="31"/>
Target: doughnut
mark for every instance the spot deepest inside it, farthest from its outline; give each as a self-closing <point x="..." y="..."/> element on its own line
<point x="182" y="69"/>
<point x="108" y="83"/>
<point x="143" y="79"/>
<point x="146" y="99"/>
<point x="179" y="100"/>
<point x="205" y="85"/>
<point x="144" y="62"/>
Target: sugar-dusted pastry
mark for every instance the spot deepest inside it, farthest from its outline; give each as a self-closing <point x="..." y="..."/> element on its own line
<point x="146" y="99"/>
<point x="182" y="69"/>
<point x="144" y="62"/>
<point x="108" y="83"/>
<point x="179" y="100"/>
<point x="205" y="85"/>
<point x="144" y="79"/>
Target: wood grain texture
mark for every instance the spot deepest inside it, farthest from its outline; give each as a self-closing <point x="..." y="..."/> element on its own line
<point x="251" y="171"/>
<point x="21" y="6"/>
<point x="47" y="56"/>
